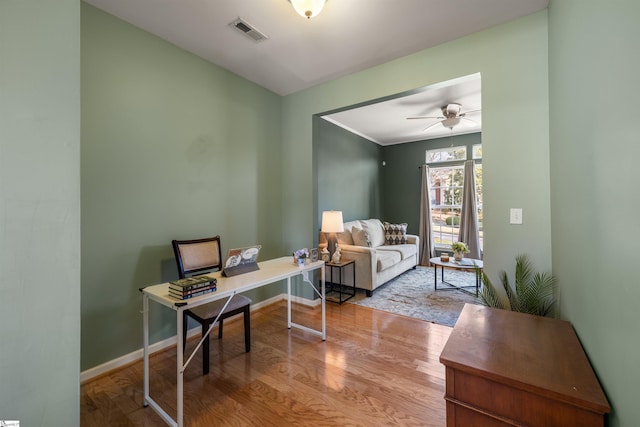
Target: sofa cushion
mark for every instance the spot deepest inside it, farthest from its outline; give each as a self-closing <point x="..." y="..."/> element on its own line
<point x="405" y="251"/>
<point x="346" y="237"/>
<point x="386" y="259"/>
<point x="360" y="237"/>
<point x="376" y="231"/>
<point x="352" y="224"/>
<point x="395" y="234"/>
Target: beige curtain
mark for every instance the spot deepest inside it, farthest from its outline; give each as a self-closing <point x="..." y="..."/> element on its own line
<point x="469" y="217"/>
<point x="426" y="230"/>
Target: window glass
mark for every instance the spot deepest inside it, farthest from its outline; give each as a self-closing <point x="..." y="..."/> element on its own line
<point x="477" y="151"/>
<point x="446" y="203"/>
<point x="448" y="154"/>
<point x="446" y="193"/>
<point x="479" y="202"/>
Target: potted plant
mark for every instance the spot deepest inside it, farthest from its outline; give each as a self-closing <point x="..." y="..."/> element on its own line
<point x="532" y="294"/>
<point x="300" y="256"/>
<point x="459" y="249"/>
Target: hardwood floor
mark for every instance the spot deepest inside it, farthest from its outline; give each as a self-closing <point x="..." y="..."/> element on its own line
<point x="375" y="368"/>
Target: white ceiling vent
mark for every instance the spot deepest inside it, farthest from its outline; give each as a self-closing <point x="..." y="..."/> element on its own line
<point x="248" y="30"/>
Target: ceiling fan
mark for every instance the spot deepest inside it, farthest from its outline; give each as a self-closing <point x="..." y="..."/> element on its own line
<point x="451" y="116"/>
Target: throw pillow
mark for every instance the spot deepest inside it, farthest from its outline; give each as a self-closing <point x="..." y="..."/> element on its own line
<point x="360" y="237"/>
<point x="395" y="234"/>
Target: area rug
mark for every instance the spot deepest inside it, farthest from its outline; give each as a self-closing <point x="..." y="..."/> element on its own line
<point x="412" y="294"/>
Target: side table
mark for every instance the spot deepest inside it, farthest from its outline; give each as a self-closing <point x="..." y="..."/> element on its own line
<point x="340" y="266"/>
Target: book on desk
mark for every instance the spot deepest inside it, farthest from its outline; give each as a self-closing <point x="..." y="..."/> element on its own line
<point x="190" y="287"/>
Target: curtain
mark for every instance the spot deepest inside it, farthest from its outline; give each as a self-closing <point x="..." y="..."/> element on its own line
<point x="426" y="230"/>
<point x="469" y="216"/>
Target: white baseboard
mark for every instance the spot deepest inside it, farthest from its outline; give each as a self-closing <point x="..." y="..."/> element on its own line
<point x="136" y="355"/>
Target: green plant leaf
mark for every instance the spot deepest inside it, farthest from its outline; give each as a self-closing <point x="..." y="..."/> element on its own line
<point x="488" y="294"/>
<point x="533" y="292"/>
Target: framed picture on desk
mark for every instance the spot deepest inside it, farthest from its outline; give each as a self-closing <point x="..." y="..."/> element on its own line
<point x="314" y="254"/>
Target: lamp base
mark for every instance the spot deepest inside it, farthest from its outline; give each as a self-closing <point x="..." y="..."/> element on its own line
<point x="332" y="243"/>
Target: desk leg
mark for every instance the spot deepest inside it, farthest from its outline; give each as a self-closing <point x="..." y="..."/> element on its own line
<point x="148" y="400"/>
<point x="289" y="302"/>
<point x="324" y="301"/>
<point x="180" y="370"/>
<point x="145" y="338"/>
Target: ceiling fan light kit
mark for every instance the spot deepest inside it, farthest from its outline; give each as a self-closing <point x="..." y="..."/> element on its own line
<point x="451" y="122"/>
<point x="308" y="8"/>
<point x="451" y="116"/>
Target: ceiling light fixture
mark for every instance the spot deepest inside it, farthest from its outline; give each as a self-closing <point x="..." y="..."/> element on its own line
<point x="451" y="122"/>
<point x="308" y="8"/>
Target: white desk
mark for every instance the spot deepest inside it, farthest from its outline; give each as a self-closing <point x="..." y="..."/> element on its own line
<point x="270" y="271"/>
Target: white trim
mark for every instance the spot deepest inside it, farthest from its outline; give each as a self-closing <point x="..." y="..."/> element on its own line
<point x="136" y="355"/>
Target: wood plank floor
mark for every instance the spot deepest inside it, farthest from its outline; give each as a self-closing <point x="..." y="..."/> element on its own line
<point x="375" y="368"/>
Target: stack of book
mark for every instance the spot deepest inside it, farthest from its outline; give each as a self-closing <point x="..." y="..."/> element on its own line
<point x="190" y="287"/>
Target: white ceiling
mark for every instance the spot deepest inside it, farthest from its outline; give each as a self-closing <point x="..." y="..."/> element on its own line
<point x="348" y="36"/>
<point x="385" y="122"/>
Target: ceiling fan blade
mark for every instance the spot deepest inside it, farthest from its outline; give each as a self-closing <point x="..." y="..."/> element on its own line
<point x="430" y="126"/>
<point x="424" y="117"/>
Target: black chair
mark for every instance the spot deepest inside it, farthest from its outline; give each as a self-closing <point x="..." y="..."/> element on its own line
<point x="201" y="256"/>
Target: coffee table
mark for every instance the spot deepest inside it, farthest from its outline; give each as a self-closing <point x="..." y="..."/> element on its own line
<point x="465" y="264"/>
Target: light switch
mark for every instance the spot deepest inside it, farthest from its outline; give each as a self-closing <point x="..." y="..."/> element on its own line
<point x="516" y="216"/>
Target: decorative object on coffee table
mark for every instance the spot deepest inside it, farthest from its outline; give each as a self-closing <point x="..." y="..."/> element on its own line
<point x="459" y="249"/>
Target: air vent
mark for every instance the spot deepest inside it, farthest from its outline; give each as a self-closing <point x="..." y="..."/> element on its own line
<point x="248" y="30"/>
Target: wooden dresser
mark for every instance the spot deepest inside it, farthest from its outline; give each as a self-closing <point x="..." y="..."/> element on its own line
<point x="513" y="369"/>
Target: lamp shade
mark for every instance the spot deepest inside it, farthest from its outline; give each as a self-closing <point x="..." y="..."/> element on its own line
<point x="308" y="8"/>
<point x="332" y="222"/>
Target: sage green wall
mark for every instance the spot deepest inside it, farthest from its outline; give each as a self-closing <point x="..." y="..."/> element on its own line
<point x="349" y="173"/>
<point x="403" y="178"/>
<point x="594" y="134"/>
<point x="40" y="212"/>
<point x="512" y="60"/>
<point x="172" y="147"/>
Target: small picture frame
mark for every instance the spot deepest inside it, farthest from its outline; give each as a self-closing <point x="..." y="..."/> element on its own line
<point x="314" y="254"/>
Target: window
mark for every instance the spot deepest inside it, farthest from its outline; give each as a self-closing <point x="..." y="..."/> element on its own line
<point x="447" y="179"/>
<point x="446" y="203"/>
<point x="477" y="151"/>
<point x="446" y="154"/>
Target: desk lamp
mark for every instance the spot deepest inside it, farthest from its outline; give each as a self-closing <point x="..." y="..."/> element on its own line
<point x="332" y="224"/>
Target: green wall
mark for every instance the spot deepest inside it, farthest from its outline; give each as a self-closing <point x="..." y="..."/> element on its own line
<point x="173" y="147"/>
<point x="154" y="120"/>
<point x="403" y="178"/>
<point x="349" y="173"/>
<point x="593" y="77"/>
<point x="512" y="60"/>
<point x="40" y="212"/>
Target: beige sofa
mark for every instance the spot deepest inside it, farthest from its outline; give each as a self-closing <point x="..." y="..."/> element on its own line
<point x="376" y="260"/>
